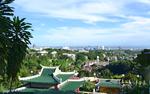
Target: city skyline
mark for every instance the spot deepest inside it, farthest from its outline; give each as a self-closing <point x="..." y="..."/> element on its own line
<point x="90" y="22"/>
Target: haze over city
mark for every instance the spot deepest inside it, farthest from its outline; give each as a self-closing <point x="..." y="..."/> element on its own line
<point x="87" y="22"/>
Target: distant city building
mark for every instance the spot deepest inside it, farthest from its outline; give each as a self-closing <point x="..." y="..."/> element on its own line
<point x="88" y="64"/>
<point x="103" y="47"/>
<point x="66" y="48"/>
<point x="115" y="58"/>
<point x="73" y="56"/>
<point x="42" y="52"/>
<point x="54" y="53"/>
<point x="83" y="51"/>
<point x="97" y="59"/>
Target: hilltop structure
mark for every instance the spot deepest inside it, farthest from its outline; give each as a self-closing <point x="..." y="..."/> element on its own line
<point x="51" y="79"/>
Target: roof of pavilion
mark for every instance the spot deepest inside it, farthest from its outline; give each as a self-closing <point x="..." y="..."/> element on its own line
<point x="72" y="85"/>
<point x="42" y="91"/>
<point x="45" y="77"/>
<point x="67" y="87"/>
<point x="112" y="83"/>
<point x="64" y="77"/>
<point x="48" y="75"/>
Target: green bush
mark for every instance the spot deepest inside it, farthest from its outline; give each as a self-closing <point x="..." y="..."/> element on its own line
<point x="88" y="86"/>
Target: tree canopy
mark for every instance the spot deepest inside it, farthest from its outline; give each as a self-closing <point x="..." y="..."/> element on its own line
<point x="14" y="39"/>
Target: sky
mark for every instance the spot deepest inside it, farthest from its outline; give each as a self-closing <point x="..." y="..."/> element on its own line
<point x="87" y="22"/>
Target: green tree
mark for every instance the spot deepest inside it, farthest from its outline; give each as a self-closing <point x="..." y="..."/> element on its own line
<point x="106" y="73"/>
<point x="14" y="40"/>
<point x="5" y="12"/>
<point x="19" y="39"/>
<point x="88" y="86"/>
<point x="120" y="67"/>
<point x="131" y="77"/>
<point x="144" y="60"/>
<point x="80" y="57"/>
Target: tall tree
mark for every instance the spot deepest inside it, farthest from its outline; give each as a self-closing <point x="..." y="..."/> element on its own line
<point x="5" y="12"/>
<point x="14" y="40"/>
<point x="5" y="9"/>
<point x="144" y="60"/>
<point x="19" y="37"/>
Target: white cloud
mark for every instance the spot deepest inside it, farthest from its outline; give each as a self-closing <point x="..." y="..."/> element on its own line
<point x="87" y="11"/>
<point x="90" y="11"/>
<point x="137" y="23"/>
<point x="99" y="8"/>
<point x="144" y="1"/>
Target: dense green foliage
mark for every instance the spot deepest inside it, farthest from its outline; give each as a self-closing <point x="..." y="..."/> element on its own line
<point x="137" y="89"/>
<point x="88" y="86"/>
<point x="143" y="60"/>
<point x="5" y="12"/>
<point x="14" y="40"/>
<point x="121" y="67"/>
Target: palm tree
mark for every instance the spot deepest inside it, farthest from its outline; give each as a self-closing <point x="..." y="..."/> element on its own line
<point x="5" y="12"/>
<point x="5" y="9"/>
<point x="14" y="40"/>
<point x="19" y="36"/>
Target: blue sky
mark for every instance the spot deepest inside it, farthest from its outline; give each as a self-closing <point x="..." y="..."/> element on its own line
<point x="87" y="22"/>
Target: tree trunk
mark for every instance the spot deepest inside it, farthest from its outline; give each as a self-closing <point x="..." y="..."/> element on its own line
<point x="10" y="87"/>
